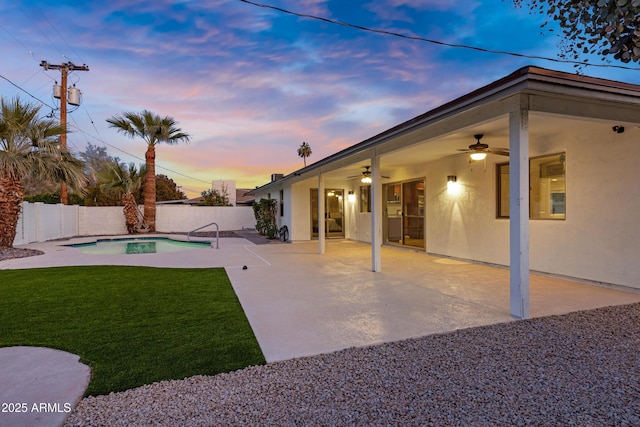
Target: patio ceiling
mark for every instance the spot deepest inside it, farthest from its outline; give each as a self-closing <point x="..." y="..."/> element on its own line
<point x="496" y="134"/>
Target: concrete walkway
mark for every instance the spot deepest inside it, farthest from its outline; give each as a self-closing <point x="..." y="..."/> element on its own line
<point x="301" y="303"/>
<point x="40" y="386"/>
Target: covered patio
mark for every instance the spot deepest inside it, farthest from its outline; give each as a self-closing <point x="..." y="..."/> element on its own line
<point x="559" y="198"/>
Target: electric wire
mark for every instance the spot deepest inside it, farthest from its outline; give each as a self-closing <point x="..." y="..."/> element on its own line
<point x="98" y="138"/>
<point x="20" y="43"/>
<point x="27" y="92"/>
<point x="76" y="126"/>
<point x="58" y="33"/>
<point x="159" y="166"/>
<point x="36" y="26"/>
<point x="436" y="42"/>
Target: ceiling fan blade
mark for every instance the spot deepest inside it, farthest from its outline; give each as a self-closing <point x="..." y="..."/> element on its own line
<point x="466" y="150"/>
<point x="499" y="151"/>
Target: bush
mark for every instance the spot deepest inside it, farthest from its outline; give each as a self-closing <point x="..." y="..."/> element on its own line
<point x="265" y="213"/>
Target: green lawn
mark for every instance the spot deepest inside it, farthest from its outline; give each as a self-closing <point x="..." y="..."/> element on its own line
<point x="132" y="325"/>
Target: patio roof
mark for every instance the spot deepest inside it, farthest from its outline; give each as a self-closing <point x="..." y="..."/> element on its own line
<point x="556" y="95"/>
<point x="520" y="112"/>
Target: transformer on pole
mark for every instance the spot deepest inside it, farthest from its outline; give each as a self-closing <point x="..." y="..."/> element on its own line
<point x="72" y="95"/>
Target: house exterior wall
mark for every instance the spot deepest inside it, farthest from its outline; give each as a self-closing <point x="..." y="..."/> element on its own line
<point x="600" y="238"/>
<point x="300" y="229"/>
<point x="40" y="222"/>
<point x="598" y="241"/>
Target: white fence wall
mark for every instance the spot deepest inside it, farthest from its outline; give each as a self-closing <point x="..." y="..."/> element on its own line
<point x="40" y="222"/>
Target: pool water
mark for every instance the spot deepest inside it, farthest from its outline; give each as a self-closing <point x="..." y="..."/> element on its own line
<point x="140" y="245"/>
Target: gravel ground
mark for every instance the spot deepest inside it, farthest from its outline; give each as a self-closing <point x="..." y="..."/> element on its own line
<point x="578" y="369"/>
<point x="10" y="253"/>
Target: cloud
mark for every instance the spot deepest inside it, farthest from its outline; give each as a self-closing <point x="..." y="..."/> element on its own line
<point x="250" y="84"/>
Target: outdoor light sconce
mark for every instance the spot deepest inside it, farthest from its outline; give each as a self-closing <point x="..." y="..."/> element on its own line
<point x="452" y="184"/>
<point x="351" y="197"/>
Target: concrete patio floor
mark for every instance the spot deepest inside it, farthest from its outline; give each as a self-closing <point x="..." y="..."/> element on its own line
<point x="300" y="303"/>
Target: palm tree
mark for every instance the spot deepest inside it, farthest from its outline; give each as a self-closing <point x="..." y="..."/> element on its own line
<point x="304" y="151"/>
<point x="153" y="129"/>
<point x="125" y="180"/>
<point x="29" y="147"/>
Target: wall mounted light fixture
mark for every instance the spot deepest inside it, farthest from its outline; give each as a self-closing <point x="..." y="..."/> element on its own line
<point x="351" y="196"/>
<point x="452" y="184"/>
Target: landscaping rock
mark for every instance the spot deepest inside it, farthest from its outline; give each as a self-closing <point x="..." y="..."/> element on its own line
<point x="575" y="369"/>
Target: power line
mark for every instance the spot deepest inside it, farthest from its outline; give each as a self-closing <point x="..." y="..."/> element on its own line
<point x="35" y="24"/>
<point x="58" y="33"/>
<point x="25" y="91"/>
<point x="22" y="44"/>
<point x="77" y="128"/>
<point x="437" y="42"/>
<point x="137" y="157"/>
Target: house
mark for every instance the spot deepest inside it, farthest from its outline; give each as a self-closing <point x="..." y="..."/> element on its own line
<point x="237" y="196"/>
<point x="556" y="193"/>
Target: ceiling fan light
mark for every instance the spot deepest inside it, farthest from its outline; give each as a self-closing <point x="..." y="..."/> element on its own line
<point x="478" y="156"/>
<point x="366" y="180"/>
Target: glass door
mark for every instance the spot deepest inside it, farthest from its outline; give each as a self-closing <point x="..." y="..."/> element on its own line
<point x="413" y="213"/>
<point x="404" y="213"/>
<point x="393" y="213"/>
<point x="333" y="212"/>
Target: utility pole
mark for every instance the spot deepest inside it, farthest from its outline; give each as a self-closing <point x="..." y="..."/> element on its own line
<point x="64" y="71"/>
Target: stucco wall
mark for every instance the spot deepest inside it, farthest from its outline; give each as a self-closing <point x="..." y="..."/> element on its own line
<point x="41" y="222"/>
<point x="300" y="228"/>
<point x="598" y="241"/>
<point x="186" y="218"/>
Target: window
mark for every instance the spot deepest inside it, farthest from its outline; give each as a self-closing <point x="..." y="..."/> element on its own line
<point x="281" y="202"/>
<point x="365" y="198"/>
<point x="547" y="188"/>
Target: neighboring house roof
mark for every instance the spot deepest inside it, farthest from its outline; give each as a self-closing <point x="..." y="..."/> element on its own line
<point x="193" y="201"/>
<point x="529" y="79"/>
<point x="241" y="199"/>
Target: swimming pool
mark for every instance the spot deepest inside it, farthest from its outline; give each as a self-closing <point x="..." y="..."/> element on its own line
<point x="137" y="245"/>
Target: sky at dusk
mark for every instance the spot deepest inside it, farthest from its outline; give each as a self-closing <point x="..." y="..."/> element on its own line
<point x="250" y="84"/>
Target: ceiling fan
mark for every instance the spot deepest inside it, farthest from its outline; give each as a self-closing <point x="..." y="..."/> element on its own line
<point x="479" y="150"/>
<point x="365" y="177"/>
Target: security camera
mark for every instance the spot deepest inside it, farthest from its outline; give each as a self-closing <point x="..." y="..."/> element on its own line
<point x="618" y="129"/>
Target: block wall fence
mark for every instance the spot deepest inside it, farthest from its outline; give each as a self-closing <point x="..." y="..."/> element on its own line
<point x="40" y="222"/>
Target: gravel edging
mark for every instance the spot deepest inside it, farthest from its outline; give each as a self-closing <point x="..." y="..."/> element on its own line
<point x="577" y="369"/>
<point x="11" y="253"/>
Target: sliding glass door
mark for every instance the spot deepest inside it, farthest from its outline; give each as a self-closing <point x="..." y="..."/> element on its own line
<point x="404" y="213"/>
<point x="333" y="213"/>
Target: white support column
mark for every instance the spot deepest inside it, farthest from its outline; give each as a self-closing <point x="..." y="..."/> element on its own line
<point x="321" y="215"/>
<point x="376" y="214"/>
<point x="519" y="211"/>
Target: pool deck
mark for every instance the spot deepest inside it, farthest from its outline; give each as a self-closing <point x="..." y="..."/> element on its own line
<point x="301" y="303"/>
